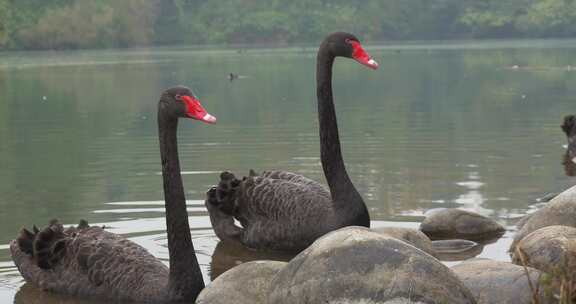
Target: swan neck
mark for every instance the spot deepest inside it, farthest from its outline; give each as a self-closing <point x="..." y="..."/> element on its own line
<point x="330" y="153"/>
<point x="185" y="275"/>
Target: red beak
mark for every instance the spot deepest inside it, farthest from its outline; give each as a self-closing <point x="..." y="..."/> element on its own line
<point x="195" y="110"/>
<point x="360" y="55"/>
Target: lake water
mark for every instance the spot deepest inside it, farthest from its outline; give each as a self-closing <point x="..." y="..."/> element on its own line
<point x="473" y="125"/>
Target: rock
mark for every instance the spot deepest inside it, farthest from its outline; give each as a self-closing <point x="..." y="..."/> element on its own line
<point x="357" y="265"/>
<point x="539" y="201"/>
<point x="411" y="236"/>
<point x="461" y="224"/>
<point x="561" y="210"/>
<point x="500" y="282"/>
<point x="547" y="197"/>
<point x="523" y="221"/>
<point x="246" y="283"/>
<point x="550" y="249"/>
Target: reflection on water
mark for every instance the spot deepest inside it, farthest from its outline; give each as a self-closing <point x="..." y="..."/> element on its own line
<point x="29" y="294"/>
<point x="461" y="255"/>
<point x="438" y="126"/>
<point x="228" y="254"/>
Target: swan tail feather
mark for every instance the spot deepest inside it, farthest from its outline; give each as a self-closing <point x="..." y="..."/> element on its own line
<point x="49" y="245"/>
<point x="45" y="246"/>
<point x="223" y="196"/>
<point x="222" y="223"/>
<point x="26" y="239"/>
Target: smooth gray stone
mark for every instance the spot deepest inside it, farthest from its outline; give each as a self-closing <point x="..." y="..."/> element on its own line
<point x="561" y="210"/>
<point x="550" y="249"/>
<point x="460" y="224"/>
<point x="500" y="282"/>
<point x="411" y="236"/>
<point x="357" y="265"/>
<point x="247" y="283"/>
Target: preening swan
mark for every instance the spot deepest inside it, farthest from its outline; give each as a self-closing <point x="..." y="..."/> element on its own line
<point x="88" y="261"/>
<point x="286" y="211"/>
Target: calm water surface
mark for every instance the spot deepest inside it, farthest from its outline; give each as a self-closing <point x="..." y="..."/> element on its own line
<point x="469" y="125"/>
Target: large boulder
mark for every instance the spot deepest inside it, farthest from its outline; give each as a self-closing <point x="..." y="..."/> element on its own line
<point x="550" y="249"/>
<point x="460" y="224"/>
<point x="561" y="210"/>
<point x="357" y="265"/>
<point x="411" y="236"/>
<point x="500" y="282"/>
<point x="246" y="283"/>
<point x="541" y="201"/>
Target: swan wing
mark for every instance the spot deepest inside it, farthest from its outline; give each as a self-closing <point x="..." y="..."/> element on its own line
<point x="271" y="195"/>
<point x="294" y="178"/>
<point x="280" y="199"/>
<point x="277" y="209"/>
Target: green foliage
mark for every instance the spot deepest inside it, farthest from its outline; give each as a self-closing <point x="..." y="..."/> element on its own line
<point x="4" y="23"/>
<point x="57" y="24"/>
<point x="79" y="25"/>
<point x="85" y="24"/>
<point x="550" y="16"/>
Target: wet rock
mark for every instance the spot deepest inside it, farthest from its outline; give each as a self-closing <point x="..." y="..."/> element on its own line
<point x="523" y="221"/>
<point x="246" y="283"/>
<point x="500" y="282"/>
<point x="550" y="249"/>
<point x="460" y="224"/>
<point x="561" y="210"/>
<point x="357" y="265"/>
<point x="411" y="236"/>
<point x="539" y="201"/>
<point x="547" y="197"/>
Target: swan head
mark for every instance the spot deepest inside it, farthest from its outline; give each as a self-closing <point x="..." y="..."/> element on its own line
<point x="179" y="101"/>
<point x="347" y="45"/>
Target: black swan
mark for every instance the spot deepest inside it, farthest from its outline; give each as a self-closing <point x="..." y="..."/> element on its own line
<point x="285" y="211"/>
<point x="569" y="156"/>
<point x="88" y="261"/>
<point x="569" y="128"/>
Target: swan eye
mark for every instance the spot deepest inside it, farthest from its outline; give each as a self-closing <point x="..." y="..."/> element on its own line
<point x="348" y="40"/>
